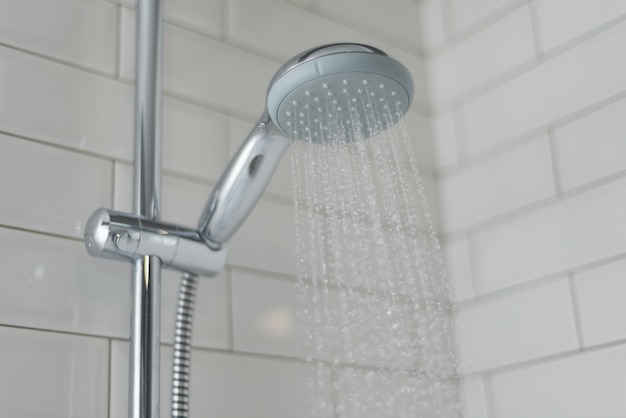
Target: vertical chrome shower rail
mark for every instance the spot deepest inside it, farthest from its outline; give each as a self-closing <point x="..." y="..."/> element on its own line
<point x="146" y="271"/>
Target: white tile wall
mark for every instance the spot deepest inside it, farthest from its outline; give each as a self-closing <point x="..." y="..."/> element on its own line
<point x="474" y="398"/>
<point x="204" y="70"/>
<point x="62" y="105"/>
<point x="52" y="283"/>
<point x="535" y="152"/>
<point x="394" y="21"/>
<point x="263" y="313"/>
<point x="266" y="240"/>
<point x="573" y="232"/>
<point x="194" y="139"/>
<point x="280" y="30"/>
<point x="464" y="14"/>
<point x="78" y="31"/>
<point x="431" y="24"/>
<point x="497" y="186"/>
<point x="580" y="386"/>
<point x="591" y="148"/>
<point x="481" y="58"/>
<point x="521" y="326"/>
<point x="205" y="17"/>
<point x="562" y="20"/>
<point x="593" y="71"/>
<point x="51" y="374"/>
<point x="41" y="191"/>
<point x="601" y="307"/>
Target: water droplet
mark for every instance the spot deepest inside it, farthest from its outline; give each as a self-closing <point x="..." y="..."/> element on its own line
<point x="295" y="103"/>
<point x="307" y="93"/>
<point x="345" y="82"/>
<point x="382" y="86"/>
<point x="365" y="82"/>
<point x="325" y="85"/>
<point x="288" y="113"/>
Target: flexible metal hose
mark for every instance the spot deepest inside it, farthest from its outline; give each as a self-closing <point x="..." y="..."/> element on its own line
<point x="181" y="367"/>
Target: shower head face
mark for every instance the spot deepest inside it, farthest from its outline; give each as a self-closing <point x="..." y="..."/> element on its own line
<point x="355" y="87"/>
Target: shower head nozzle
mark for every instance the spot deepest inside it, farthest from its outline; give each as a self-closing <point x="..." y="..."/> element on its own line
<point x="339" y="82"/>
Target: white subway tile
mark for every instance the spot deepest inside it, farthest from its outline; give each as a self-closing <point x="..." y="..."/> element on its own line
<point x="431" y="26"/>
<point x="55" y="103"/>
<point x="55" y="284"/>
<point x="581" y="386"/>
<point x="266" y="240"/>
<point x="464" y="14"/>
<point x="586" y="74"/>
<point x="474" y="398"/>
<point x="525" y="325"/>
<point x="457" y="259"/>
<point x="201" y="16"/>
<point x="207" y="71"/>
<point x="497" y="186"/>
<point x="49" y="189"/>
<point x="445" y="149"/>
<point x="573" y="232"/>
<point x="52" y="375"/>
<point x="82" y="32"/>
<point x="591" y="147"/>
<point x="602" y="311"/>
<point x="264" y="310"/>
<point x="281" y="30"/>
<point x="271" y="388"/>
<point x="282" y="180"/>
<point x="195" y="140"/>
<point x="394" y="21"/>
<point x="562" y="20"/>
<point x="481" y="58"/>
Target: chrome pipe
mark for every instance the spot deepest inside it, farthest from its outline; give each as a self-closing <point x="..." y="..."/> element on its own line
<point x="144" y="369"/>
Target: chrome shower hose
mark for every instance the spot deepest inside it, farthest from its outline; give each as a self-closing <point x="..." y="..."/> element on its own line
<point x="182" y="346"/>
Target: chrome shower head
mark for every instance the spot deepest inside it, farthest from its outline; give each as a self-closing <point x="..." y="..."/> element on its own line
<point x="346" y="84"/>
<point x="339" y="82"/>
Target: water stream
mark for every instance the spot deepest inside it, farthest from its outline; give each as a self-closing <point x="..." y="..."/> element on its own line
<point x="375" y="315"/>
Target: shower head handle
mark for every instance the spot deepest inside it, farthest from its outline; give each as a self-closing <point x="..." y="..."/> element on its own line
<point x="243" y="182"/>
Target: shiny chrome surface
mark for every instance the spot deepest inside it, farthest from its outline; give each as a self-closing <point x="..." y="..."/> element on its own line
<point x="144" y="379"/>
<point x="124" y="236"/>
<point x="183" y="329"/>
<point x="243" y="182"/>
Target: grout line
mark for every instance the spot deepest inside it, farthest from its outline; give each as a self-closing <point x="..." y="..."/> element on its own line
<point x="471" y="257"/>
<point x="554" y="162"/>
<point x="522" y="211"/>
<point x="229" y="308"/>
<point x="225" y="15"/>
<point x="488" y="395"/>
<point x="538" y="281"/>
<point x="39" y="232"/>
<point x="576" y="309"/>
<point x="536" y="29"/>
<point x="548" y="359"/>
<point x="56" y="60"/>
<point x="446" y="20"/>
<point x="113" y="185"/>
<point x="118" y="42"/>
<point x="110" y="385"/>
<point x="460" y="140"/>
<point x="498" y="81"/>
<point x="524" y="138"/>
